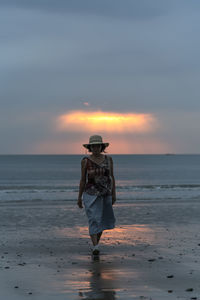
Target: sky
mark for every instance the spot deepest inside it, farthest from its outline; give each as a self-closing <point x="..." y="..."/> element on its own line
<point x="128" y="70"/>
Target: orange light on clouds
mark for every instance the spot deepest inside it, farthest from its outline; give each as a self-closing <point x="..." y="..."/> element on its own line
<point x="86" y="103"/>
<point x="105" y="122"/>
<point x="127" y="133"/>
<point x="118" y="145"/>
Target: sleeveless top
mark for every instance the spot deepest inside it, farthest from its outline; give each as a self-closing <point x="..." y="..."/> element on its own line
<point x="99" y="181"/>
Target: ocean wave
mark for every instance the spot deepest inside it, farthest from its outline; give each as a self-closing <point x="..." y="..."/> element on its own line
<point x="125" y="191"/>
<point x="159" y="187"/>
<point x="74" y="188"/>
<point x="37" y="188"/>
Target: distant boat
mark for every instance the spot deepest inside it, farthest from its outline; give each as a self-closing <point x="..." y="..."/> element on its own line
<point x="169" y="154"/>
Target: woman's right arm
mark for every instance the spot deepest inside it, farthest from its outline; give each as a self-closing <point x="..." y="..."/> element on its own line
<point x="82" y="182"/>
<point x="113" y="181"/>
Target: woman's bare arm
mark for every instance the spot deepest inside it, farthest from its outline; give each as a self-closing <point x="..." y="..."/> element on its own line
<point x="113" y="180"/>
<point x="82" y="182"/>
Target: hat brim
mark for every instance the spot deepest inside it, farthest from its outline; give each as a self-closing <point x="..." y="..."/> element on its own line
<point x="87" y="145"/>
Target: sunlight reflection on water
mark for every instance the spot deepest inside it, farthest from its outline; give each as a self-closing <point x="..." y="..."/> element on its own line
<point x="102" y="279"/>
<point x="122" y="234"/>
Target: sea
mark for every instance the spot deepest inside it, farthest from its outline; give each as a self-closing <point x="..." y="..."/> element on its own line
<point x="55" y="178"/>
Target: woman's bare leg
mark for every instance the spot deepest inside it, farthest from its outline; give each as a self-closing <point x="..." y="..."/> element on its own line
<point x="96" y="238"/>
<point x="99" y="236"/>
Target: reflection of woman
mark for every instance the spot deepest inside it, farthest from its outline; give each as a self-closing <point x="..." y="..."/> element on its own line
<point x="103" y="283"/>
<point x="97" y="186"/>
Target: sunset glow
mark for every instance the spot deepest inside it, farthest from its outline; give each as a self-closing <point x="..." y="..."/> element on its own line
<point x="105" y="121"/>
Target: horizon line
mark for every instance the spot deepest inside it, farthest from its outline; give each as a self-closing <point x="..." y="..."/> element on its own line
<point x="167" y="153"/>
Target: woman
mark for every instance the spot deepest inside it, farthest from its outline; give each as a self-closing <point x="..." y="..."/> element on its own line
<point x="97" y="187"/>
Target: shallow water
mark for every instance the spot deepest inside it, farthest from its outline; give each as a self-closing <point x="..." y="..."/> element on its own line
<point x="56" y="177"/>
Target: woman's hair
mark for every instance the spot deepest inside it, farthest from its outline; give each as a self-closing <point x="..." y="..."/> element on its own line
<point x="103" y="147"/>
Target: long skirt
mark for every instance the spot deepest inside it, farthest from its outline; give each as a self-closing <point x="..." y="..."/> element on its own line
<point x="99" y="211"/>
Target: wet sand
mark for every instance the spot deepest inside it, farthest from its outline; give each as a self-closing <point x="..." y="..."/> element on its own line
<point x="153" y="253"/>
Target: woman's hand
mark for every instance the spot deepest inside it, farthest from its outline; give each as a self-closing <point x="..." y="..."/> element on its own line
<point x="79" y="203"/>
<point x="113" y="199"/>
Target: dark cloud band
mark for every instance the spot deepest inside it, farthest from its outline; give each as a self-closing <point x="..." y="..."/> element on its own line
<point x="141" y="9"/>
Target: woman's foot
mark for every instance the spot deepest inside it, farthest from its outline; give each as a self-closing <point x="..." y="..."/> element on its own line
<point x="95" y="250"/>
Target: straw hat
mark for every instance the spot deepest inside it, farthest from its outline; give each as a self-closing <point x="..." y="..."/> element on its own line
<point x="94" y="140"/>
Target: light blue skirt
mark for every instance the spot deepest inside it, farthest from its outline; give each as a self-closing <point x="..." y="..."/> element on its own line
<point x="99" y="211"/>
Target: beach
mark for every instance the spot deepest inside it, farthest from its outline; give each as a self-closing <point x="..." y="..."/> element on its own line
<point x="153" y="253"/>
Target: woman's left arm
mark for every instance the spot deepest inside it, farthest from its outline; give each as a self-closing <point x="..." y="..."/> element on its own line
<point x="113" y="181"/>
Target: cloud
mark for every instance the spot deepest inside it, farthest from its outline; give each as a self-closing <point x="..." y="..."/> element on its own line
<point x="145" y="65"/>
<point x="117" y="145"/>
<point x="113" y="122"/>
<point x="142" y="9"/>
<point x="128" y="56"/>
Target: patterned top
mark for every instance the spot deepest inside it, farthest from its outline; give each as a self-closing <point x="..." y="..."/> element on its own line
<point x="99" y="181"/>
